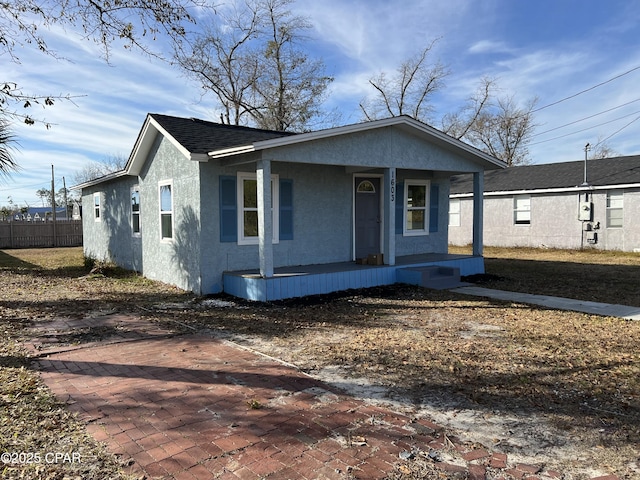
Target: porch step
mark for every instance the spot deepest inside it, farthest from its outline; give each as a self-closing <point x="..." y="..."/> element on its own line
<point x="437" y="277"/>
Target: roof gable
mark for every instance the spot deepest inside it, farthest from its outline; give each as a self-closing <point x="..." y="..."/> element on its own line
<point x="557" y="176"/>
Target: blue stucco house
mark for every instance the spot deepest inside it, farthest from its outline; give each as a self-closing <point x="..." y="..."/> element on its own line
<point x="267" y="215"/>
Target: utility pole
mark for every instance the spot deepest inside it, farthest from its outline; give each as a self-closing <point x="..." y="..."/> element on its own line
<point x="53" y="207"/>
<point x="66" y="203"/>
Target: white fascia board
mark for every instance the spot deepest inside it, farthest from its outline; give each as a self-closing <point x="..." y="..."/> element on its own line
<point x="96" y="181"/>
<point x="227" y="152"/>
<point x="541" y="191"/>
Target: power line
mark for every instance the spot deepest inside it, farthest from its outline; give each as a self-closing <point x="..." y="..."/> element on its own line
<point x="586" y="118"/>
<point x="586" y="90"/>
<point x="588" y="128"/>
<point x="619" y="130"/>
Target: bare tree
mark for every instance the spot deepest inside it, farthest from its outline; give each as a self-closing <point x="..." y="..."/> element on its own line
<point x="223" y="59"/>
<point x="504" y="131"/>
<point x="602" y="150"/>
<point x="292" y="87"/>
<point x="92" y="170"/>
<point x="250" y="61"/>
<point x="135" y="23"/>
<point x="408" y="91"/>
<point x="497" y="126"/>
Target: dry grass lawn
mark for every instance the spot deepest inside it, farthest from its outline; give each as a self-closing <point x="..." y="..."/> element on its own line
<point x="552" y="387"/>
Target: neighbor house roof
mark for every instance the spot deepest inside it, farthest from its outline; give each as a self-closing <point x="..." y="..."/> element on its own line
<point x="601" y="173"/>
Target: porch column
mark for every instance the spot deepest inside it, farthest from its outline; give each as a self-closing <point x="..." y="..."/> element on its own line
<point x="265" y="218"/>
<point x="389" y="248"/>
<point x="478" y="195"/>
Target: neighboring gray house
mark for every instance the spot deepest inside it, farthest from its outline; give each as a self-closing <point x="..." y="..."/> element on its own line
<point x="189" y="207"/>
<point x="551" y="206"/>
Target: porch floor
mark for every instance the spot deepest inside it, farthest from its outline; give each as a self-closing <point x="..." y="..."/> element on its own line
<point x="303" y="280"/>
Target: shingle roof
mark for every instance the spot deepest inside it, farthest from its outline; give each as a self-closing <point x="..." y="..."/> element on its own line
<point x="201" y="136"/>
<point x="602" y="172"/>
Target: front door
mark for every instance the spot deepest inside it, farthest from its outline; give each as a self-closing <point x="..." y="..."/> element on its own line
<point x="367" y="216"/>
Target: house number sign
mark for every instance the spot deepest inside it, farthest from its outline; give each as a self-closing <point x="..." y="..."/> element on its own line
<point x="392" y="188"/>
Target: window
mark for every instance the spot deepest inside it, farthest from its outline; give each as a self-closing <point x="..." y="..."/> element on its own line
<point x="416" y="209"/>
<point x="614" y="209"/>
<point x="96" y="207"/>
<point x="454" y="212"/>
<point x="248" y="208"/>
<point x="135" y="211"/>
<point x="366" y="186"/>
<point x="166" y="211"/>
<point x="522" y="210"/>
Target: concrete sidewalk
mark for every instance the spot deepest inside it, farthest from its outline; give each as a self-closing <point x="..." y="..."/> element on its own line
<point x="595" y="308"/>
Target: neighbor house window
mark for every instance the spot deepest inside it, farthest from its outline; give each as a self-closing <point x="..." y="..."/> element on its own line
<point x="166" y="211"/>
<point x="96" y="207"/>
<point x="454" y="212"/>
<point x="416" y="215"/>
<point x="614" y="209"/>
<point x="135" y="210"/>
<point x="522" y="210"/>
<point x="248" y="211"/>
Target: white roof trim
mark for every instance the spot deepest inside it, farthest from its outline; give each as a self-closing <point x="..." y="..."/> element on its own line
<point x="226" y="152"/>
<point x="539" y="191"/>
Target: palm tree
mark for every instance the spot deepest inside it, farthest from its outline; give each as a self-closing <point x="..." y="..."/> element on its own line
<point x="7" y="163"/>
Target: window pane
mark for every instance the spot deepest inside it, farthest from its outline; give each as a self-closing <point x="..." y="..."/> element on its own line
<point x="96" y="200"/>
<point x="523" y="217"/>
<point x="166" y="229"/>
<point x="415" y="220"/>
<point x="136" y="223"/>
<point x="250" y="191"/>
<point x="614" y="217"/>
<point x="416" y="195"/>
<point x="251" y="224"/>
<point x="165" y="198"/>
<point x="135" y="201"/>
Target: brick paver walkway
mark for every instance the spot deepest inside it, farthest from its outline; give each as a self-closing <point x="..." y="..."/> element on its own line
<point x="195" y="407"/>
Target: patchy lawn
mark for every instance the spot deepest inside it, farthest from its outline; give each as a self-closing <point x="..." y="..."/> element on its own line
<point x="559" y="388"/>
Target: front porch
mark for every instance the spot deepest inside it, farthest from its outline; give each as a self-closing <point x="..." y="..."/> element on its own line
<point x="300" y="281"/>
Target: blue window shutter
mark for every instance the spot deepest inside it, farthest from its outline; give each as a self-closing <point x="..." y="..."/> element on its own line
<point x="433" y="208"/>
<point x="286" y="209"/>
<point x="399" y="208"/>
<point x="228" y="210"/>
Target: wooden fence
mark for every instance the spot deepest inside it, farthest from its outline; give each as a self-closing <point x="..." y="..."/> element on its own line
<point x="65" y="233"/>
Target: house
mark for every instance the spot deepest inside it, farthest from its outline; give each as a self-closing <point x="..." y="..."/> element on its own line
<point x="267" y="215"/>
<point x="37" y="214"/>
<point x="568" y="205"/>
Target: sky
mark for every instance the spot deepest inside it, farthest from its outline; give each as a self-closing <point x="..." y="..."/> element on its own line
<point x="579" y="58"/>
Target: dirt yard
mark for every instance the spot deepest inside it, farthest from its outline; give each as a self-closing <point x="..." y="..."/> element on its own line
<point x="559" y="389"/>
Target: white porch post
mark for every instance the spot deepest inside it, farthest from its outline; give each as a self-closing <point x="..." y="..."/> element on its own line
<point x="478" y="194"/>
<point x="265" y="218"/>
<point x="389" y="209"/>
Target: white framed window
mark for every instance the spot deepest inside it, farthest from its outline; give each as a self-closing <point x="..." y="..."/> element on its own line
<point x="135" y="211"/>
<point x="454" y="212"/>
<point x="615" y="204"/>
<point x="248" y="208"/>
<point x="97" y="207"/>
<point x="165" y="193"/>
<point x="522" y="210"/>
<point x="416" y="208"/>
